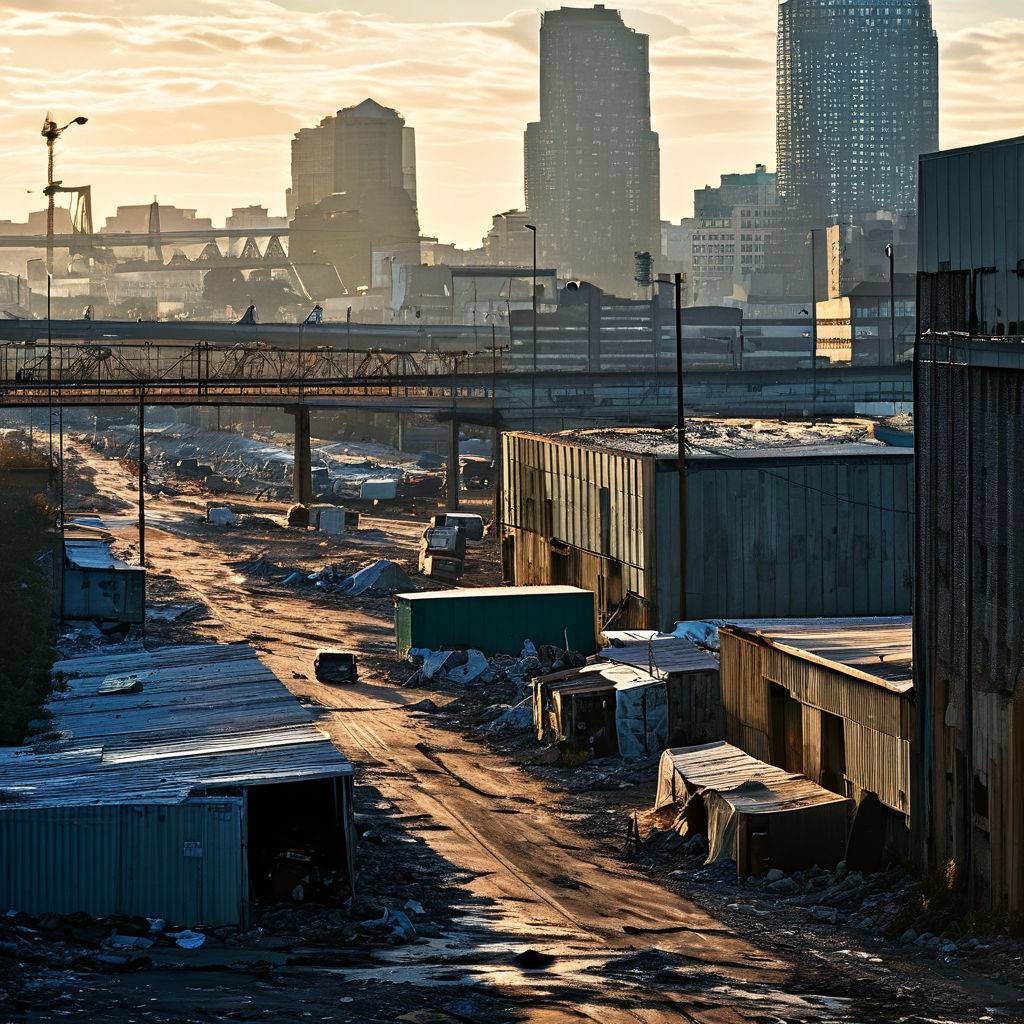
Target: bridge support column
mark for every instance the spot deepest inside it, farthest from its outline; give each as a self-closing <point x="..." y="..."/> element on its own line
<point x="302" y="472"/>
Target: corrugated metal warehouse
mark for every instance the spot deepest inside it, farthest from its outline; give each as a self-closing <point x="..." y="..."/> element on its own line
<point x="969" y="630"/>
<point x="819" y="530"/>
<point x="172" y="783"/>
<point x="832" y="700"/>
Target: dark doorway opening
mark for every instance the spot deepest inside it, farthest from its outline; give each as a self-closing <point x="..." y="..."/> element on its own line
<point x="786" y="740"/>
<point x="833" y="753"/>
<point x="298" y="841"/>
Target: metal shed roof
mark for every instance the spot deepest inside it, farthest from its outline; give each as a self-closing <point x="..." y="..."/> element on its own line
<point x="662" y="656"/>
<point x="480" y="592"/>
<point x="208" y="717"/>
<point x="92" y="554"/>
<point x="748" y="785"/>
<point x="877" y="650"/>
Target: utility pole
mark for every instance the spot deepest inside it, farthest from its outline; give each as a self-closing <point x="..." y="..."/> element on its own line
<point x="890" y="251"/>
<point x="681" y="445"/>
<point x="142" y="477"/>
<point x="532" y="228"/>
<point x="454" y="468"/>
<point x="49" y="377"/>
<point x="814" y="328"/>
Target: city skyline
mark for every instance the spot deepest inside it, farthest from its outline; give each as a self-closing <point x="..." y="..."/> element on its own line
<point x="210" y="92"/>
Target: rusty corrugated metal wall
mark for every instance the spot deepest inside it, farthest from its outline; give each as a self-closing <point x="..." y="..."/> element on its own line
<point x="581" y="516"/>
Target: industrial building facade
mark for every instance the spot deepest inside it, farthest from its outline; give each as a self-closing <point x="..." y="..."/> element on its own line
<point x="969" y="436"/>
<point x="780" y="533"/>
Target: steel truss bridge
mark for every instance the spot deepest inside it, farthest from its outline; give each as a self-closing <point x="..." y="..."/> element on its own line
<point x="480" y="383"/>
<point x="125" y="373"/>
<point x="80" y="240"/>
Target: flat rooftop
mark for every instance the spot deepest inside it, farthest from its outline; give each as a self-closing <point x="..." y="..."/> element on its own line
<point x="152" y="727"/>
<point x="737" y="438"/>
<point x="876" y="650"/>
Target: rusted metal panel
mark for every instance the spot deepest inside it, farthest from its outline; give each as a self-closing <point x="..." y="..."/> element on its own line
<point x="183" y="862"/>
<point x="578" y="515"/>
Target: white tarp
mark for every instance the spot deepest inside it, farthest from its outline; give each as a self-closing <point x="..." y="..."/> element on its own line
<point x="641" y="717"/>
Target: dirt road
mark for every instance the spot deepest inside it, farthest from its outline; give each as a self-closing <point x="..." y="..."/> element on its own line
<point x="515" y="876"/>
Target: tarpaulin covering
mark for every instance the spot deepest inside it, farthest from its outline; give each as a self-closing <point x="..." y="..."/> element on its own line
<point x="802" y="823"/>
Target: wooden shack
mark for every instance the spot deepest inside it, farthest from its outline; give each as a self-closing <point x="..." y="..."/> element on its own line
<point x="830" y="699"/>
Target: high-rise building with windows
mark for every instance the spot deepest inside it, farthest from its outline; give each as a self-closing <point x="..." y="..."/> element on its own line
<point x="857" y="104"/>
<point x="592" y="161"/>
<point x="729" y="236"/>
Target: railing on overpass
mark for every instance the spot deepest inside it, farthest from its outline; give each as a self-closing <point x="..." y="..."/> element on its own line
<point x="481" y="382"/>
<point x="81" y="373"/>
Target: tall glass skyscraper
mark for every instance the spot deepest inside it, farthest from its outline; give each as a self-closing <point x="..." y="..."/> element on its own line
<point x="592" y="161"/>
<point x="857" y="104"/>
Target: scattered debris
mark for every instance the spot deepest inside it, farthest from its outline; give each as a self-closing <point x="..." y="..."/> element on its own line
<point x="169" y="612"/>
<point x="382" y="578"/>
<point x="221" y="515"/>
<point x="298" y="517"/>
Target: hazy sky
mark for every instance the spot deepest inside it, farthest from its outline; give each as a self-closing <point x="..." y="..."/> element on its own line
<point x="195" y="101"/>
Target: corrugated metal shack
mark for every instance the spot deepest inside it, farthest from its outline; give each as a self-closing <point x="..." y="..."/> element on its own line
<point x="633" y="699"/>
<point x="819" y="530"/>
<point x="99" y="586"/>
<point x="179" y="783"/>
<point x="832" y="700"/>
<point x="969" y="629"/>
<point x="756" y="814"/>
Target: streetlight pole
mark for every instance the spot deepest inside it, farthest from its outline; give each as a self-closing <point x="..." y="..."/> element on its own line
<point x="532" y="228"/>
<point x="681" y="445"/>
<point x="890" y="251"/>
<point x="814" y="327"/>
<point x="52" y="133"/>
<point x="49" y="375"/>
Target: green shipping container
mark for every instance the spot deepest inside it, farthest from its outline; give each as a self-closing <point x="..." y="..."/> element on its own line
<point x="496" y="620"/>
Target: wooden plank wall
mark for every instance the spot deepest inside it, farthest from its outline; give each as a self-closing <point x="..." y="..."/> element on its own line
<point x="877" y="723"/>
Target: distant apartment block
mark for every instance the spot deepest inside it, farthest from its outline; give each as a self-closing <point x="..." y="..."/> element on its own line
<point x="135" y="219"/>
<point x="728" y="238"/>
<point x="353" y="194"/>
<point x="254" y="217"/>
<point x="367" y="147"/>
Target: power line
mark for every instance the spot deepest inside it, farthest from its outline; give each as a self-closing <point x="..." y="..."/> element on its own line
<point x="808" y="487"/>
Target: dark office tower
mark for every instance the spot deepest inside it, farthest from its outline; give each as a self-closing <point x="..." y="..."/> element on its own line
<point x="592" y="161"/>
<point x="857" y="104"/>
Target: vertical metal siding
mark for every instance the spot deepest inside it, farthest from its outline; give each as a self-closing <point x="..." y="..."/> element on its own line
<point x="790" y="538"/>
<point x="126" y="859"/>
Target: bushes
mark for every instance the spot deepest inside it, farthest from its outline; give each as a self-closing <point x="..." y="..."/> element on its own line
<point x="26" y="597"/>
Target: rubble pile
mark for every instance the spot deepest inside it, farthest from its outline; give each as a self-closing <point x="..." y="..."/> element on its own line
<point x="504" y="674"/>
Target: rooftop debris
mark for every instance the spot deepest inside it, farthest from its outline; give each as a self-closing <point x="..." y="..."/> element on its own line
<point x="724" y="435"/>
